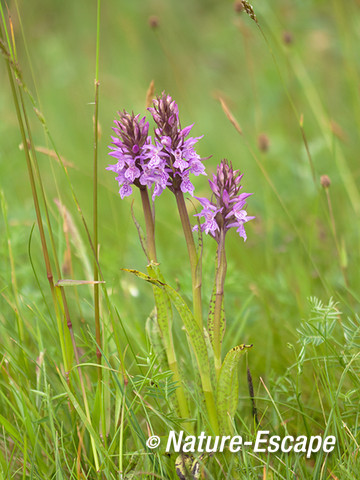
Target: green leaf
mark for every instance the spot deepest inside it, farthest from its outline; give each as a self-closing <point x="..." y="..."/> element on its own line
<point x="143" y="276"/>
<point x="210" y="350"/>
<point x="187" y="467"/>
<point x="154" y="334"/>
<point x="211" y="317"/>
<point x="195" y="335"/>
<point x="163" y="306"/>
<point x="227" y="388"/>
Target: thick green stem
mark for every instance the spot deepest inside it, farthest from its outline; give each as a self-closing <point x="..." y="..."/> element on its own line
<point x="149" y="225"/>
<point x="195" y="263"/>
<point x="167" y="334"/>
<point x="219" y="301"/>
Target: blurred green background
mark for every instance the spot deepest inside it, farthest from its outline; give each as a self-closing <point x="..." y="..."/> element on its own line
<point x="303" y="61"/>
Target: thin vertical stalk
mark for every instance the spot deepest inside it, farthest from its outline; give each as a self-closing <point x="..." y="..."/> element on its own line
<point x="33" y="165"/>
<point x="195" y="263"/>
<point x="62" y="299"/>
<point x="99" y="346"/>
<point x="219" y="300"/>
<point x="57" y="300"/>
<point x="95" y="199"/>
<point x="95" y="235"/>
<point x="45" y="251"/>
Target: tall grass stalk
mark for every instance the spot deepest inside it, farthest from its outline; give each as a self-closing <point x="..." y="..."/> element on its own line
<point x="65" y="329"/>
<point x="49" y="273"/>
<point x="95" y="198"/>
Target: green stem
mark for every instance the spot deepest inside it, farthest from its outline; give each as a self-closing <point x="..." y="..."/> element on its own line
<point x="167" y="333"/>
<point x="219" y="300"/>
<point x="149" y="225"/>
<point x="195" y="263"/>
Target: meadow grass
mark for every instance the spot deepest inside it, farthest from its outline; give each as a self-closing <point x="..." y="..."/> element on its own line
<point x="80" y="384"/>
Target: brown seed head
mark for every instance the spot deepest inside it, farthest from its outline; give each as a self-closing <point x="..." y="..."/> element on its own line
<point x="263" y="142"/>
<point x="325" y="181"/>
<point x="249" y="10"/>
<point x="154" y="21"/>
<point x="287" y="38"/>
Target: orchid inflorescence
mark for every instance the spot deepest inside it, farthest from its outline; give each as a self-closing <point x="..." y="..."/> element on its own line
<point x="167" y="160"/>
<point x="226" y="208"/>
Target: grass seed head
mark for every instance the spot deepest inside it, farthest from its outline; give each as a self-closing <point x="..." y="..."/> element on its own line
<point x="325" y="181"/>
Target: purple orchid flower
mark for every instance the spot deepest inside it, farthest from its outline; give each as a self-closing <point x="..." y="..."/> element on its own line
<point x="178" y="152"/>
<point x="226" y="208"/>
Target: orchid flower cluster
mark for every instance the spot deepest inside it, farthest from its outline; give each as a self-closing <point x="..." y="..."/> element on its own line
<point x="166" y="161"/>
<point x="226" y="209"/>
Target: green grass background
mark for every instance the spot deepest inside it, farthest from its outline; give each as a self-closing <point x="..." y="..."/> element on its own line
<point x="200" y="49"/>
